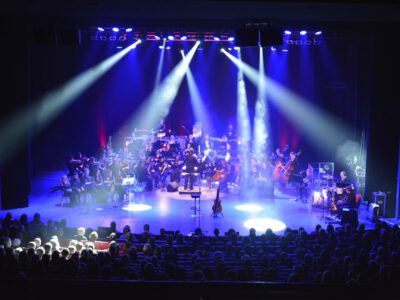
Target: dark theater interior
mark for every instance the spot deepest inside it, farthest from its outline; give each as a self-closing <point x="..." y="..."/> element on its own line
<point x="223" y="149"/>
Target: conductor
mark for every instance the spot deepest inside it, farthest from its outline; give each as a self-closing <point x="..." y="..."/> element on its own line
<point x="190" y="167"/>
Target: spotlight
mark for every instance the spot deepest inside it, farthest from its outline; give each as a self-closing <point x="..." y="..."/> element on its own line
<point x="183" y="38"/>
<point x="288" y="32"/>
<point x="115" y="29"/>
<point x="318" y="32"/>
<point x="273" y="48"/>
<point x="231" y="39"/>
<point x="285" y="50"/>
<point x="222" y="49"/>
<point x="171" y="37"/>
<point x="168" y="47"/>
<point x="216" y="38"/>
<point x="157" y="37"/>
<point x="119" y="47"/>
<point x="128" y="30"/>
<point x="100" y="28"/>
<point x="303" y="32"/>
<point x="160" y="47"/>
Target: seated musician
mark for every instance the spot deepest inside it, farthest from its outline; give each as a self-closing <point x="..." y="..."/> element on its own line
<point x="118" y="188"/>
<point x="142" y="174"/>
<point x="176" y="169"/>
<point x="292" y="168"/>
<point x="98" y="186"/>
<point x="173" y="147"/>
<point x="190" y="167"/>
<point x="160" y="174"/>
<point x="76" y="186"/>
<point x="67" y="190"/>
<point x="108" y="183"/>
<point x="191" y="143"/>
<point x="206" y="144"/>
<point x="345" y="200"/>
<point x="87" y="183"/>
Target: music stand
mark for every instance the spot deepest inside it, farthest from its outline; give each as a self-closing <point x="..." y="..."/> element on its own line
<point x="196" y="208"/>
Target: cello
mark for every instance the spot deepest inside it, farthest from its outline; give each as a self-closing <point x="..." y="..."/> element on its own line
<point x="217" y="207"/>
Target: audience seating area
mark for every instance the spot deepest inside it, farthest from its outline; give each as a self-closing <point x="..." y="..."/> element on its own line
<point x="344" y="257"/>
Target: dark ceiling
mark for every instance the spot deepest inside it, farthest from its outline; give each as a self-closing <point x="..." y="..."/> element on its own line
<point x="205" y="14"/>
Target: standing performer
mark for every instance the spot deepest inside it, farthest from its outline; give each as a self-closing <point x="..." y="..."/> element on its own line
<point x="190" y="167"/>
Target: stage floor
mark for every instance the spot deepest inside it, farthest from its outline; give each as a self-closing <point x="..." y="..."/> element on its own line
<point x="173" y="211"/>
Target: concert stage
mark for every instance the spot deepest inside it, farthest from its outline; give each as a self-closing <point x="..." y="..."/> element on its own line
<point x="174" y="211"/>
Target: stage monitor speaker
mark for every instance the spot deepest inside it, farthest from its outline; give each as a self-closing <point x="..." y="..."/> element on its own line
<point x="247" y="37"/>
<point x="172" y="187"/>
<point x="271" y="37"/>
<point x="373" y="212"/>
<point x="380" y="199"/>
<point x="349" y="215"/>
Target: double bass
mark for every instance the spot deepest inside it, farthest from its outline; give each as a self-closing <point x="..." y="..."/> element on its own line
<point x="290" y="167"/>
<point x="217" y="207"/>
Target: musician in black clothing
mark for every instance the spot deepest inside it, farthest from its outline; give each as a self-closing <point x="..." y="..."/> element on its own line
<point x="76" y="186"/>
<point x="190" y="167"/>
<point x="142" y="175"/>
<point x="345" y="200"/>
<point x="191" y="143"/>
<point x="65" y="186"/>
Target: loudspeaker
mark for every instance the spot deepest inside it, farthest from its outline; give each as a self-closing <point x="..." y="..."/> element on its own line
<point x="349" y="215"/>
<point x="172" y="187"/>
<point x="247" y="37"/>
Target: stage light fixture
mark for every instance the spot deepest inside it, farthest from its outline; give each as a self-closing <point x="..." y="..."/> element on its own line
<point x="171" y="37"/>
<point x="273" y="48"/>
<point x="128" y="30"/>
<point x="100" y="29"/>
<point x="183" y="38"/>
<point x="318" y="32"/>
<point x="287" y="32"/>
<point x="285" y="50"/>
<point x="115" y="29"/>
<point x="231" y="39"/>
<point x="217" y="39"/>
<point x="303" y="32"/>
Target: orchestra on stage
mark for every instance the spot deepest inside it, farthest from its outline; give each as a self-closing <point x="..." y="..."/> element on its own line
<point x="158" y="160"/>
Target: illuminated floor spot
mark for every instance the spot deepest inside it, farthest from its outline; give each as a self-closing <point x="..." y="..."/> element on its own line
<point x="136" y="207"/>
<point x="262" y="224"/>
<point x="249" y="207"/>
